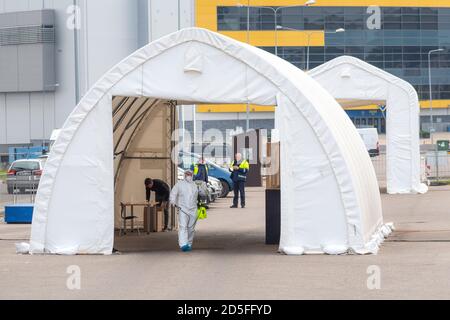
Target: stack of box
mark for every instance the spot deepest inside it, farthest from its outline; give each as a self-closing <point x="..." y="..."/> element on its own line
<point x="153" y="221"/>
<point x="273" y="181"/>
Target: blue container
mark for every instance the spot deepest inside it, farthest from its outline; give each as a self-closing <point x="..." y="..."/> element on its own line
<point x="21" y="213"/>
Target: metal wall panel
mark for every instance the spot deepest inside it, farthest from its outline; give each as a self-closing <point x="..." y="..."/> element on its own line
<point x="15" y="5"/>
<point x="27" y="51"/>
<point x="164" y="18"/>
<point x="3" y="126"/>
<point x="37" y="116"/>
<point x="30" y="67"/>
<point x="9" y="77"/>
<point x="18" y="118"/>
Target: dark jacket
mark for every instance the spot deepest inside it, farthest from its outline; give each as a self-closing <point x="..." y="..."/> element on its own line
<point x="241" y="174"/>
<point x="161" y="190"/>
<point x="201" y="173"/>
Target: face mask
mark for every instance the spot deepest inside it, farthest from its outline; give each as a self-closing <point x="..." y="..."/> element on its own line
<point x="189" y="179"/>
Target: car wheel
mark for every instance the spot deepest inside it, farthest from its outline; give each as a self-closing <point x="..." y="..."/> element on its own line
<point x="10" y="190"/>
<point x="225" y="189"/>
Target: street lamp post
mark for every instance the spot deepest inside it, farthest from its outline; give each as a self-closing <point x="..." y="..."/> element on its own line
<point x="181" y="111"/>
<point x="340" y="30"/>
<point x="308" y="3"/>
<point x="248" y="41"/>
<point x="54" y="86"/>
<point x="275" y="12"/>
<point x="431" y="89"/>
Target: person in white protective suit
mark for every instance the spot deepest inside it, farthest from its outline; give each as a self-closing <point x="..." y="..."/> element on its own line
<point x="185" y="197"/>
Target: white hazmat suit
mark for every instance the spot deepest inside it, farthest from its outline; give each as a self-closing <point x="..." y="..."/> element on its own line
<point x="185" y="196"/>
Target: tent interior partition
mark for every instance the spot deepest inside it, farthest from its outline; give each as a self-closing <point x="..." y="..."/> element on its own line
<point x="353" y="83"/>
<point x="143" y="147"/>
<point x="330" y="200"/>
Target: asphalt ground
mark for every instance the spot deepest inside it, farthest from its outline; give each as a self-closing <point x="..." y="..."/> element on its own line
<point x="231" y="261"/>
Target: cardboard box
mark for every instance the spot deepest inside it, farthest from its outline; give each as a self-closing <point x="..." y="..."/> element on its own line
<point x="153" y="220"/>
<point x="158" y="220"/>
<point x="273" y="181"/>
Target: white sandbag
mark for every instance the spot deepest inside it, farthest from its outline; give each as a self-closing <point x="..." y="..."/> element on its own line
<point x="22" y="248"/>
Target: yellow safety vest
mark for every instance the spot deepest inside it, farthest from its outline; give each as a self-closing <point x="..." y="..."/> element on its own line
<point x="244" y="165"/>
<point x="196" y="169"/>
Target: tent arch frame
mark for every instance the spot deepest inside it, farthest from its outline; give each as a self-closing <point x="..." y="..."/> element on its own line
<point x="354" y="82"/>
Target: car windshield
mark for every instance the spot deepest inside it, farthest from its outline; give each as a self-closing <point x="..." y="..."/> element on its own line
<point x="25" y="165"/>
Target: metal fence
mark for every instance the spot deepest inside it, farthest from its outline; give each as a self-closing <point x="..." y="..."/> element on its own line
<point x="23" y="194"/>
<point x="437" y="166"/>
<point x="379" y="163"/>
<point x="13" y="193"/>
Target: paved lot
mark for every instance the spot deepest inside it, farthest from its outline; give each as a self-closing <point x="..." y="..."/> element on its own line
<point x="232" y="262"/>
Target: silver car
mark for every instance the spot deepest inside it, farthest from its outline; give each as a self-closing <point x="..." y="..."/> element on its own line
<point x="24" y="175"/>
<point x="216" y="187"/>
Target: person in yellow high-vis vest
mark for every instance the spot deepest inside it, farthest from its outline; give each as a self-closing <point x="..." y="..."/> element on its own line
<point x="239" y="170"/>
<point x="201" y="171"/>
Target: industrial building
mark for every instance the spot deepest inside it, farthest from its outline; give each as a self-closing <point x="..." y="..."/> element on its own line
<point x="52" y="52"/>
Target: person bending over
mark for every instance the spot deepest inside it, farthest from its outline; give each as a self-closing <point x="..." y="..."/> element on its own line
<point x="162" y="196"/>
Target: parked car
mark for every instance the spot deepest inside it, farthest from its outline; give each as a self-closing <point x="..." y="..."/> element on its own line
<point x="216" y="187"/>
<point x="371" y="140"/>
<point x="24" y="175"/>
<point x="215" y="171"/>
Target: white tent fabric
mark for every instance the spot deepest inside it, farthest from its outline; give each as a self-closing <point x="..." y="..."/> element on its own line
<point x="350" y="79"/>
<point x="330" y="195"/>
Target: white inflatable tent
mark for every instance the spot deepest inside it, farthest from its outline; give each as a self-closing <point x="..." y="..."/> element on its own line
<point x="330" y="196"/>
<point x="354" y="82"/>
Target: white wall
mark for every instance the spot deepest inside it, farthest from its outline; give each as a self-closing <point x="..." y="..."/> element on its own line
<point x="3" y="128"/>
<point x="111" y="35"/>
<point x="167" y="16"/>
<point x="19" y="114"/>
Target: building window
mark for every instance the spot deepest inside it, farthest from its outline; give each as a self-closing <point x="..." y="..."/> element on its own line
<point x="401" y="46"/>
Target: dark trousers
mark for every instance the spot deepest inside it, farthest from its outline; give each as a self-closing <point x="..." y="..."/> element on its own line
<point x="239" y="188"/>
<point x="166" y="209"/>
